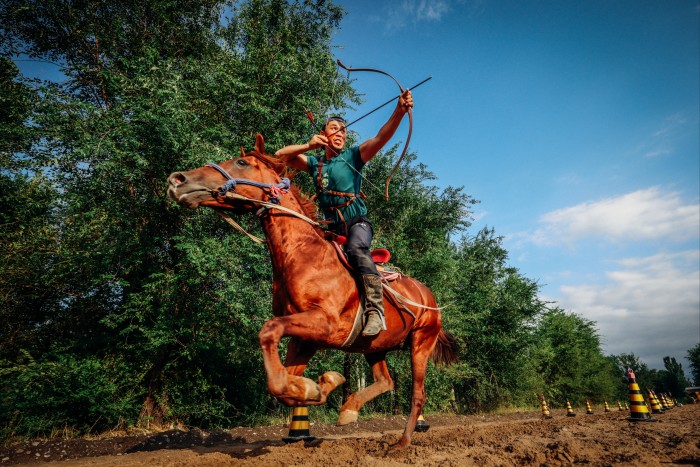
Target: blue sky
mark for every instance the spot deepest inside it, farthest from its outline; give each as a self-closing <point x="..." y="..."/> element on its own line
<point x="576" y="124"/>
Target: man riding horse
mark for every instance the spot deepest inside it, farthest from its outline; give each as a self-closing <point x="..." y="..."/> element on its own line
<point x="337" y="176"/>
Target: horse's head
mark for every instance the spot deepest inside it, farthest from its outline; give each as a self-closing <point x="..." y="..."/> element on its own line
<point x="253" y="175"/>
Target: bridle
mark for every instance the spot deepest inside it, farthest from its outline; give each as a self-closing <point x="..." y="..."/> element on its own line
<point x="276" y="190"/>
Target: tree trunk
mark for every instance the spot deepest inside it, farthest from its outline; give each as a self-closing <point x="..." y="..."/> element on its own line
<point x="153" y="412"/>
<point x="347" y="370"/>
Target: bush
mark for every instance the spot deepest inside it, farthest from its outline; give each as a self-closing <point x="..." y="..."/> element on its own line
<point x="87" y="395"/>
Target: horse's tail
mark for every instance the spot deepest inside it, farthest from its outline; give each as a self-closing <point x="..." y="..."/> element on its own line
<point x="446" y="350"/>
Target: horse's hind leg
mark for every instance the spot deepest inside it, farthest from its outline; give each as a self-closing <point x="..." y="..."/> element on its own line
<point x="287" y="387"/>
<point x="422" y="345"/>
<point x="382" y="383"/>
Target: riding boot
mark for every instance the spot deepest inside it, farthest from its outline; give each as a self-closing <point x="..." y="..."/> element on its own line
<point x="374" y="305"/>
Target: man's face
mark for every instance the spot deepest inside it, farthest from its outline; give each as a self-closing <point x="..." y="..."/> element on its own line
<point x="336" y="133"/>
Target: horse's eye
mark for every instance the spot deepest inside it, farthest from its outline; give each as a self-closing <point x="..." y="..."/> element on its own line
<point x="241" y="162"/>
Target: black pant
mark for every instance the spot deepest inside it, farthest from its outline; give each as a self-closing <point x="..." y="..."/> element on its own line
<point x="359" y="235"/>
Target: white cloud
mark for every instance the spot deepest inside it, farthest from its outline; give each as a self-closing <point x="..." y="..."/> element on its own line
<point x="671" y="125"/>
<point x="429" y="10"/>
<point x="398" y="15"/>
<point x="650" y="306"/>
<point x="663" y="142"/>
<point x="657" y="153"/>
<point x="649" y="214"/>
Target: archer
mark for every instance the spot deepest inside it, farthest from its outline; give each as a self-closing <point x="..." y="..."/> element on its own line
<point x="337" y="176"/>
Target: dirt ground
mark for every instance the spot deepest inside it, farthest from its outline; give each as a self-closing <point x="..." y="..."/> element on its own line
<point x="597" y="439"/>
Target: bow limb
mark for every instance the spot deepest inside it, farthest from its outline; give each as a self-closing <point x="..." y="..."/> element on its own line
<point x="410" y="121"/>
<point x="403" y="153"/>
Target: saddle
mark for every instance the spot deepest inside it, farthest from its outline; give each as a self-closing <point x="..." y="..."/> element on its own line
<point x="380" y="256"/>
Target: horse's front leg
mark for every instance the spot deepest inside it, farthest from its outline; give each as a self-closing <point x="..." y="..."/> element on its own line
<point x="287" y="384"/>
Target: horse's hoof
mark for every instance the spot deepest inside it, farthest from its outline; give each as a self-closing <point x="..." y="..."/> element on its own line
<point x="304" y="390"/>
<point x="346" y="417"/>
<point x="403" y="442"/>
<point x="330" y="380"/>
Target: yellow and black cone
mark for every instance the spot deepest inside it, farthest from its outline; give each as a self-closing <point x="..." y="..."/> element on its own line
<point x="669" y="399"/>
<point x="569" y="410"/>
<point x="421" y="425"/>
<point x="619" y="406"/>
<point x="664" y="402"/>
<point x="299" y="428"/>
<point x="638" y="409"/>
<point x="654" y="402"/>
<point x="607" y="407"/>
<point x="626" y="406"/>
<point x="545" y="409"/>
<point x="589" y="410"/>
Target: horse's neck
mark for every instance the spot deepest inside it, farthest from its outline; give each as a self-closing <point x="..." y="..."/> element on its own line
<point x="293" y="241"/>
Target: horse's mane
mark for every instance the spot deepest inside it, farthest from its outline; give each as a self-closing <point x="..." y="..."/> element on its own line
<point x="272" y="162"/>
<point x="305" y="201"/>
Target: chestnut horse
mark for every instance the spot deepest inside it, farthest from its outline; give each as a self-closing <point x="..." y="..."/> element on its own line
<point x="315" y="297"/>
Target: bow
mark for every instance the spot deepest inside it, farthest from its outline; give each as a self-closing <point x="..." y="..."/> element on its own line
<point x="410" y="121"/>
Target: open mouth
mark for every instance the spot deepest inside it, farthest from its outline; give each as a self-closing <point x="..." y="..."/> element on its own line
<point x="192" y="199"/>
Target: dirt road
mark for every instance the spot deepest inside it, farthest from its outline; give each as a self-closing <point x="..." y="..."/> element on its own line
<point x="488" y="440"/>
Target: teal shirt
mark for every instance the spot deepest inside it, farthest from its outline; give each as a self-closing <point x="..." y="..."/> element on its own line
<point x="341" y="173"/>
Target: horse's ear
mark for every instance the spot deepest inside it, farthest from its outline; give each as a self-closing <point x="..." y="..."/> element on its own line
<point x="242" y="152"/>
<point x="259" y="143"/>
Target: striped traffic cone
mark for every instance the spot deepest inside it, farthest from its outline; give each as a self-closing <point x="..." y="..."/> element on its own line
<point x="589" y="410"/>
<point x="656" y="398"/>
<point x="421" y="424"/>
<point x="664" y="402"/>
<point x="669" y="399"/>
<point x="569" y="410"/>
<point x="638" y="409"/>
<point x="653" y="402"/>
<point x="607" y="407"/>
<point x="545" y="409"/>
<point x="619" y="406"/>
<point x="299" y="428"/>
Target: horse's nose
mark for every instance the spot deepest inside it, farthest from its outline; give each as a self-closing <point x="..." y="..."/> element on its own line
<point x="176" y="179"/>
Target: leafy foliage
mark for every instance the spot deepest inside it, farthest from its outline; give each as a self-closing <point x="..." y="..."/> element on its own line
<point x="694" y="358"/>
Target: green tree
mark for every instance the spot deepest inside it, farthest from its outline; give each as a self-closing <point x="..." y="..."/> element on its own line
<point x="492" y="312"/>
<point x="28" y="239"/>
<point x="170" y="299"/>
<point x="673" y="379"/>
<point x="574" y="367"/>
<point x="694" y="358"/>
